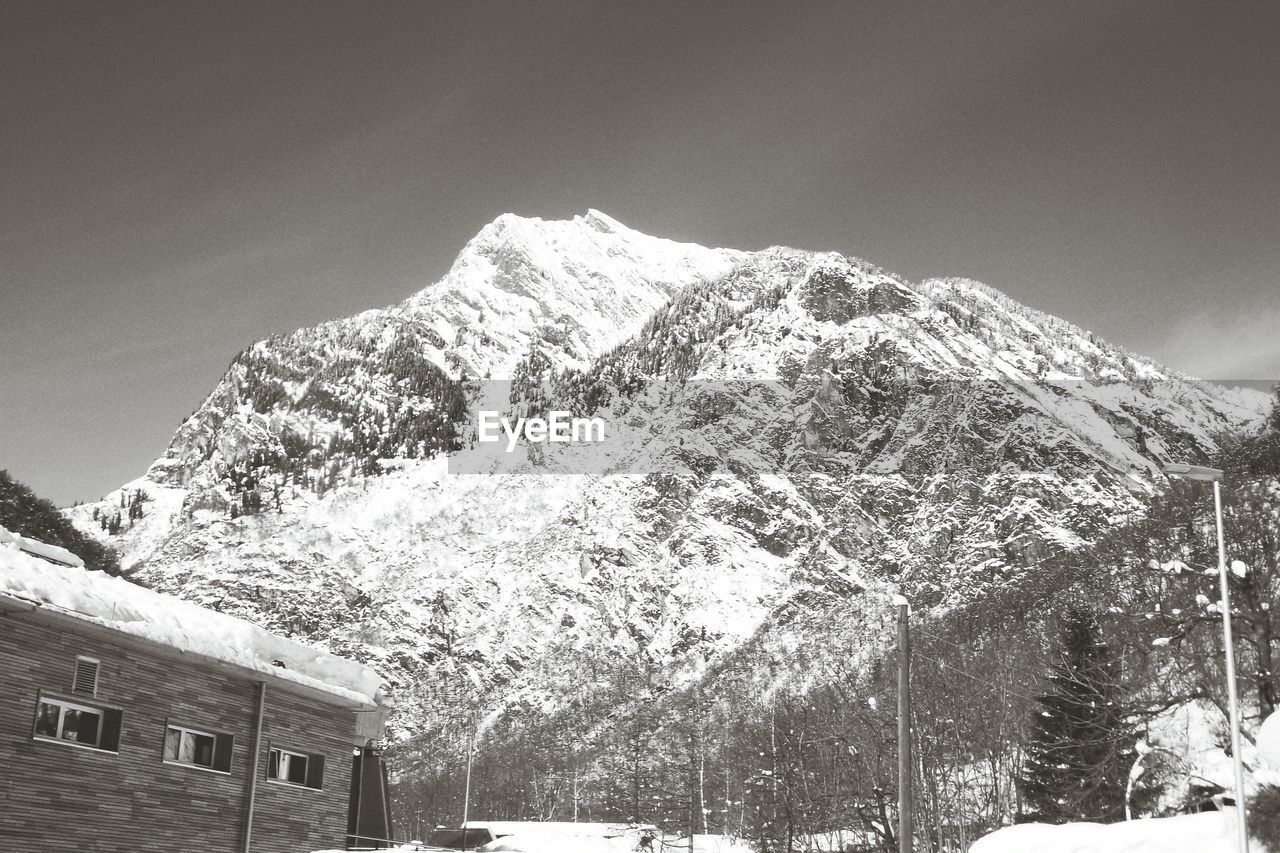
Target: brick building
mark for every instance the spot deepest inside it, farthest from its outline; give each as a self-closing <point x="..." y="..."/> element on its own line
<point x="133" y="722"/>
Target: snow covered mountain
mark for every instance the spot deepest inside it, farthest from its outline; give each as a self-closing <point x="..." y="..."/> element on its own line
<point x="798" y="434"/>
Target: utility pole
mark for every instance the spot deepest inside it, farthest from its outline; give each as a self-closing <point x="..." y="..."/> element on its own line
<point x="906" y="832"/>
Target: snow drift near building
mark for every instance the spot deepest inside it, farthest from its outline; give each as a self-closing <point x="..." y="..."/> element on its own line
<point x="1206" y="832"/>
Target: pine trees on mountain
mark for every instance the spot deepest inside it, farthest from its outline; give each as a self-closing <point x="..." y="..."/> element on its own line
<point x="380" y="398"/>
<point x="1081" y="747"/>
<point x="250" y="502"/>
<point x="528" y="394"/>
<point x="23" y="513"/>
<point x="135" y="506"/>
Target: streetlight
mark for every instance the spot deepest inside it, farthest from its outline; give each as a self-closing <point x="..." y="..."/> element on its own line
<point x="1214" y="475"/>
<point x="906" y="829"/>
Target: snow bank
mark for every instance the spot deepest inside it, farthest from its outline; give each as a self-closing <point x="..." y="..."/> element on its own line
<point x="113" y="603"/>
<point x="409" y="846"/>
<point x="1207" y="832"/>
<point x="555" y="842"/>
<point x="568" y="838"/>
<point x="501" y="828"/>
<point x="712" y="844"/>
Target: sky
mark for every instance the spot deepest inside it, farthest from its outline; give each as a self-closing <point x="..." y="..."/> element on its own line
<point x="181" y="179"/>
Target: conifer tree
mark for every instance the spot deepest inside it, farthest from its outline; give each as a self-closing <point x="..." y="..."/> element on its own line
<point x="1081" y="747"/>
<point x="22" y="512"/>
<point x="135" y="507"/>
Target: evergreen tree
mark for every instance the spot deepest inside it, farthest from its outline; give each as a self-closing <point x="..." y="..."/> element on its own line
<point x="1081" y="747"/>
<point x="135" y="506"/>
<point x="23" y="513"/>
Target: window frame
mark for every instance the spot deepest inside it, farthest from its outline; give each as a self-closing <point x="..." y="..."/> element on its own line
<point x="217" y="737"/>
<point x="105" y="714"/>
<point x="313" y="760"/>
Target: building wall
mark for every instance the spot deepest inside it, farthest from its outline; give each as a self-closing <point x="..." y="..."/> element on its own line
<point x="56" y="797"/>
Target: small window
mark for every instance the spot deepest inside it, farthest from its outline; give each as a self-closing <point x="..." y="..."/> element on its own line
<point x="86" y="676"/>
<point x="72" y="722"/>
<point x="198" y="749"/>
<point x="296" y="768"/>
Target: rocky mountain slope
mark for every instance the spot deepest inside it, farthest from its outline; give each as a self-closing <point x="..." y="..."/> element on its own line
<point x="793" y="436"/>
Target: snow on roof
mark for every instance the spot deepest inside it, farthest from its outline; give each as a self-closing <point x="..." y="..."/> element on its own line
<point x="113" y="603"/>
<point x="52" y="553"/>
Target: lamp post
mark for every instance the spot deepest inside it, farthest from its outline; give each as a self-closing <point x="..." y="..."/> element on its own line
<point x="906" y="828"/>
<point x="1214" y="475"/>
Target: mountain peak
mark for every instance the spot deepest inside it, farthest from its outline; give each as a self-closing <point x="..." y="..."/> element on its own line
<point x="592" y="230"/>
<point x="601" y="221"/>
<point x="512" y="227"/>
<point x="573" y="288"/>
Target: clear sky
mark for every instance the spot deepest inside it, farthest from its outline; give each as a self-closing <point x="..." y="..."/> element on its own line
<point x="179" y="179"/>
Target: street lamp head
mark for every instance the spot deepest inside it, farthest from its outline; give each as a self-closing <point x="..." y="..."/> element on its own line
<point x="1192" y="472"/>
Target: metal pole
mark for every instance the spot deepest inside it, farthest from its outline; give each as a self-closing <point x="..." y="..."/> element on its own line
<point x="905" y="830"/>
<point x="253" y="765"/>
<point x="1232" y="704"/>
<point x="466" y="794"/>
<point x="359" y="788"/>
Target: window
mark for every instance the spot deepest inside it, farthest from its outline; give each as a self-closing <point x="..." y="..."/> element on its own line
<point x="65" y="721"/>
<point x="296" y="768"/>
<point x="197" y="748"/>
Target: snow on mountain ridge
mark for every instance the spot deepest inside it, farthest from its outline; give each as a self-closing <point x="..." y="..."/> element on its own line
<point x="575" y="287"/>
<point x="569" y="289"/>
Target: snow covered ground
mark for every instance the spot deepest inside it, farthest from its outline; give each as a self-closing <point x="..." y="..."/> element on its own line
<point x="552" y="842"/>
<point x="1207" y="832"/>
<point x="568" y="842"/>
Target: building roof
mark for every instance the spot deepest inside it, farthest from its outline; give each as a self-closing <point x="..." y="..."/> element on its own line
<point x="48" y="588"/>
